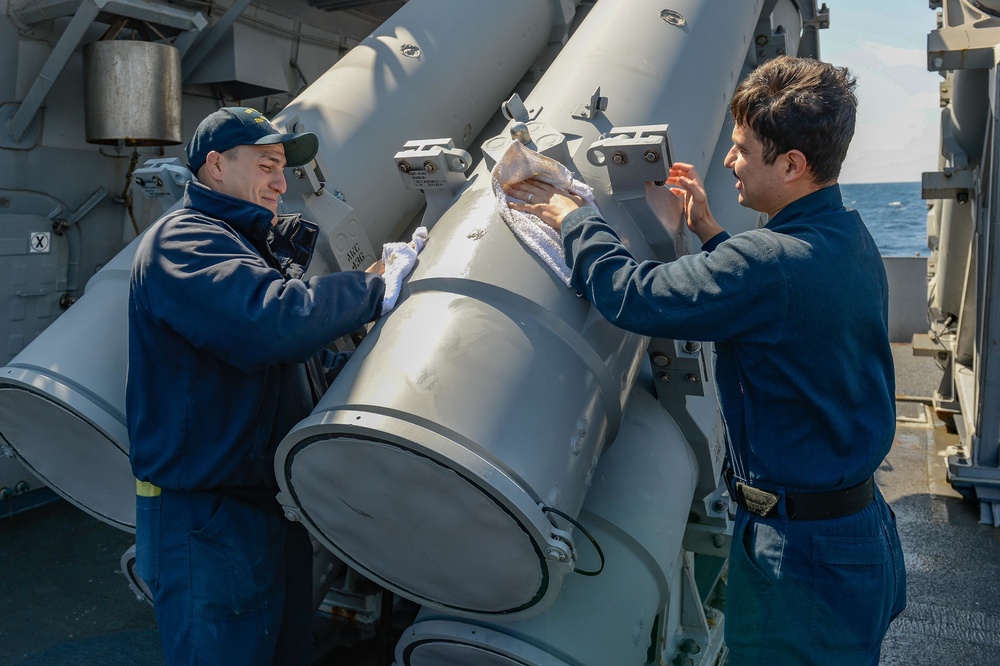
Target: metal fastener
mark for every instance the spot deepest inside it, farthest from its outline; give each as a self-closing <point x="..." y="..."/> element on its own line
<point x="692" y="346"/>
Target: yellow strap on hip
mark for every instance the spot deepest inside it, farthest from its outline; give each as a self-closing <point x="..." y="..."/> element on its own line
<point x="146" y="489"/>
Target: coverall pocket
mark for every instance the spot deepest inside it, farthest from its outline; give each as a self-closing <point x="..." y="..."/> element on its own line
<point x="849" y="592"/>
<point x="233" y="567"/>
<point x="147" y="540"/>
<point x="764" y="549"/>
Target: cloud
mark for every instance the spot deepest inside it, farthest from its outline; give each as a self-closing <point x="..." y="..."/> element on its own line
<point x="894" y="56"/>
<point x="899" y="113"/>
<point x="896" y="139"/>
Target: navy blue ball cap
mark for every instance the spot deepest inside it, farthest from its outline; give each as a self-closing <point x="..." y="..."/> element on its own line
<point x="233" y="126"/>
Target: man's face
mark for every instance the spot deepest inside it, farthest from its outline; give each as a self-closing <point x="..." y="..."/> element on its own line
<point x="253" y="173"/>
<point x="760" y="185"/>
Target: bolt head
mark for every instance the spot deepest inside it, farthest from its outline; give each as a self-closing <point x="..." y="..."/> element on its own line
<point x="555" y="554"/>
<point x="619" y="158"/>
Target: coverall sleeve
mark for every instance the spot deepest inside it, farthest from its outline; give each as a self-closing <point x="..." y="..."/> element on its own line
<point x="736" y="291"/>
<point x="221" y="296"/>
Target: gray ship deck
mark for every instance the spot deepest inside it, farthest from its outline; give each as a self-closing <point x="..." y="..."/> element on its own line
<point x="66" y="602"/>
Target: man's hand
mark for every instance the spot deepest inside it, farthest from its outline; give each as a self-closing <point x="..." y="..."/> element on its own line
<point x="689" y="187"/>
<point x="546" y="201"/>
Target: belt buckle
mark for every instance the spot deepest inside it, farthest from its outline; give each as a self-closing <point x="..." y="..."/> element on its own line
<point x="757" y="501"/>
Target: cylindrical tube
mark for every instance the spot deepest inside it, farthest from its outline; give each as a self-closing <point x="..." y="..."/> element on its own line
<point x="62" y="399"/>
<point x="486" y="398"/>
<point x="132" y="93"/>
<point x="643" y="484"/>
<point x="426" y="73"/>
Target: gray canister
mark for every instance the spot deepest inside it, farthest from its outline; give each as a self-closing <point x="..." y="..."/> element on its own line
<point x="132" y="93"/>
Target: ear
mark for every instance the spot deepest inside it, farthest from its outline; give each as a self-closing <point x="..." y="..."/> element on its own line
<point x="213" y="166"/>
<point x="796" y="165"/>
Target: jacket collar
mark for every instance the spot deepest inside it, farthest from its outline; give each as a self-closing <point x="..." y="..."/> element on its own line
<point x="824" y="200"/>
<point x="290" y="242"/>
<point x="248" y="219"/>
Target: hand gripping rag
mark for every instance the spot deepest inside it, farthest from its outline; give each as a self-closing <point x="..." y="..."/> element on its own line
<point x="399" y="259"/>
<point x="519" y="163"/>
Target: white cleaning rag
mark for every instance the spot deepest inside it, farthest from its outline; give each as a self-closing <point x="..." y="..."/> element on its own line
<point x="520" y="163"/>
<point x="399" y="259"/>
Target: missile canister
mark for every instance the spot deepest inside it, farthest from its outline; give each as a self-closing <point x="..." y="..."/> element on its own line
<point x="62" y="399"/>
<point x="448" y="459"/>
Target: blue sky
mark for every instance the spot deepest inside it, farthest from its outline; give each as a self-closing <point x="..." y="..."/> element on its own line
<point x="884" y="43"/>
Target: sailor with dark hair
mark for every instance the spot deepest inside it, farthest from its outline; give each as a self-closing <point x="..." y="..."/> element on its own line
<point x="798" y="311"/>
<point x="227" y="352"/>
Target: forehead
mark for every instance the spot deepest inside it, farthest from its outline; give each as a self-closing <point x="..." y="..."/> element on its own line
<point x="270" y="152"/>
<point x="745" y="137"/>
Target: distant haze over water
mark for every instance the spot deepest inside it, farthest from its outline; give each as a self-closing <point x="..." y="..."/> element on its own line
<point x="895" y="215"/>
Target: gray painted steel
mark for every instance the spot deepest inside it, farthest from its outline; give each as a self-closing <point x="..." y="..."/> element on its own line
<point x="491" y="377"/>
<point x="640" y="487"/>
<point x="65" y="414"/>
<point x="965" y="223"/>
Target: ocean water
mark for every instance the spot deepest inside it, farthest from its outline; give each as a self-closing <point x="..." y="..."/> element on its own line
<point x="895" y="214"/>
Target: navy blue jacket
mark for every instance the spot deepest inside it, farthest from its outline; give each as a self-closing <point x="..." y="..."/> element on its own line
<point x="222" y="335"/>
<point x="798" y="311"/>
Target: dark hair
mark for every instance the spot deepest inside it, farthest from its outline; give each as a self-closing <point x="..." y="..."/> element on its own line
<point x="800" y="103"/>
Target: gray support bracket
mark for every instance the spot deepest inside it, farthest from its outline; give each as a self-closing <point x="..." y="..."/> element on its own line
<point x="947" y="184"/>
<point x="965" y="39"/>
<point x="635" y="156"/>
<point x="141" y="10"/>
<point x="590" y="109"/>
<point x="514" y="109"/>
<point x="162" y="180"/>
<point x="53" y="67"/>
<point x="684" y="387"/>
<point x="699" y="636"/>
<point x="436" y="168"/>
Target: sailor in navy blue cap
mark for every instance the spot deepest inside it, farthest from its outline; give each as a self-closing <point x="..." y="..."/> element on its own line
<point x="228" y="350"/>
<point x="231" y="133"/>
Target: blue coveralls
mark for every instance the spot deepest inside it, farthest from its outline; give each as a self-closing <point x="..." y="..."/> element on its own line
<point x="226" y="354"/>
<point x="798" y="311"/>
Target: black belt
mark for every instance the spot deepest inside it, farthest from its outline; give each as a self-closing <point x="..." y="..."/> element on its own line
<point x="804" y="506"/>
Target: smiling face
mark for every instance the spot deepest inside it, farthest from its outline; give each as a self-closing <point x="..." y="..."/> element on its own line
<point x="252" y="173"/>
<point x="760" y="185"/>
